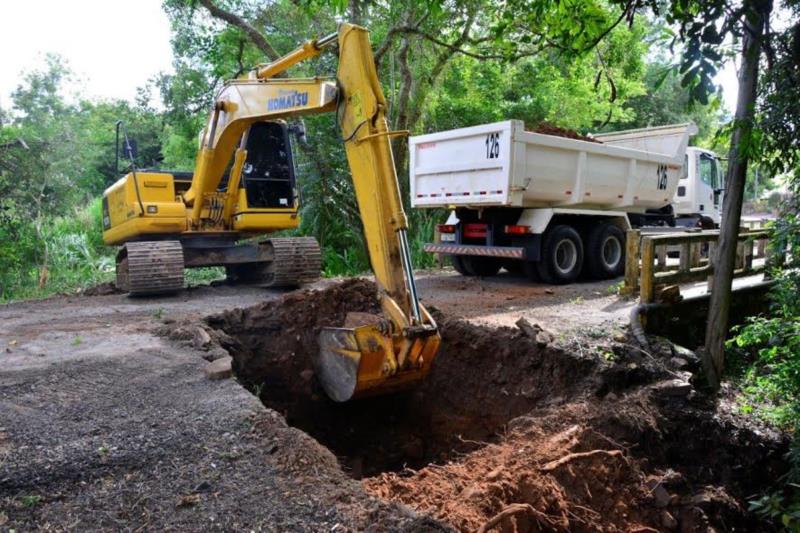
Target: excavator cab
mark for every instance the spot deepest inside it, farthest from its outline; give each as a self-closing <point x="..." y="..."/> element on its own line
<point x="268" y="174"/>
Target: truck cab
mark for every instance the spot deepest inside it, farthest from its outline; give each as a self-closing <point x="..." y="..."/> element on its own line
<point x="698" y="198"/>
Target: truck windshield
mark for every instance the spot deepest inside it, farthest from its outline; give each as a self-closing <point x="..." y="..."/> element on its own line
<point x="708" y="171"/>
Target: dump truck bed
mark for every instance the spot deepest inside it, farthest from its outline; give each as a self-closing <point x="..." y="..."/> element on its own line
<point x="501" y="164"/>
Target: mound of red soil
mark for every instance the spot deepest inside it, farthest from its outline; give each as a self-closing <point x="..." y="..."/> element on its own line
<point x="102" y="289"/>
<point x="589" y="466"/>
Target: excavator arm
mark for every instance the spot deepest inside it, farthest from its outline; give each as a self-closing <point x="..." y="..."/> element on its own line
<point x="385" y="353"/>
<point x="397" y="350"/>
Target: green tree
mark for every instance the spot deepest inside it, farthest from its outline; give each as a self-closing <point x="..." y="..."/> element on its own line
<point x="442" y="66"/>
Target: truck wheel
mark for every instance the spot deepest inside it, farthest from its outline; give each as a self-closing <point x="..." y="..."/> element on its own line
<point x="562" y="255"/>
<point x="605" y="251"/>
<point x="481" y="266"/>
<point x="458" y="264"/>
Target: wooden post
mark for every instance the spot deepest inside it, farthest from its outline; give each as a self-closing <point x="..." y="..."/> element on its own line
<point x="632" y="261"/>
<point x="694" y="254"/>
<point x="686" y="260"/>
<point x="437" y="238"/>
<point x="739" y="264"/>
<point x="648" y="260"/>
<point x="662" y="258"/>
<point x="748" y="255"/>
<point x="712" y="249"/>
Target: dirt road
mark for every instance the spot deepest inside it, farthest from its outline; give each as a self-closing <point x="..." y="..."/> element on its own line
<point x="108" y="421"/>
<point x="106" y="425"/>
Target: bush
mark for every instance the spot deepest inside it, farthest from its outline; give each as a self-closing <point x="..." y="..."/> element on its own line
<point x="769" y="350"/>
<point x="70" y="249"/>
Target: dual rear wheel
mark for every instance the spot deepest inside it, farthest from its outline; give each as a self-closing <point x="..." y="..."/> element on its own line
<point x="565" y="255"/>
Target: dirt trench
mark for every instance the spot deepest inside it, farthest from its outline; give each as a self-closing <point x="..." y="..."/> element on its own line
<point x="481" y="379"/>
<point x="513" y="434"/>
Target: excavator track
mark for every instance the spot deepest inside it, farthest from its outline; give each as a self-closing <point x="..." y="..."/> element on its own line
<point x="150" y="267"/>
<point x="295" y="262"/>
<point x="298" y="260"/>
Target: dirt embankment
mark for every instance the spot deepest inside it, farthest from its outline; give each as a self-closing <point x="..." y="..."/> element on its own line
<point x="512" y="433"/>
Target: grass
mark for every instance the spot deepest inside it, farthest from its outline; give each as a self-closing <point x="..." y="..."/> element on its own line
<point x="77" y="257"/>
<point x="204" y="275"/>
<point x="31" y="500"/>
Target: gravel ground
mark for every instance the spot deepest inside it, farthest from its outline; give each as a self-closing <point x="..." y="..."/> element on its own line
<point x="104" y="425"/>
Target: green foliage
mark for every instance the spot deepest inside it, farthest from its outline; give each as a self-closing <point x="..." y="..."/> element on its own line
<point x="203" y="276"/>
<point x="770" y="346"/>
<point x="570" y="63"/>
<point x="77" y="257"/>
<point x="777" y="507"/>
<point x="31" y="500"/>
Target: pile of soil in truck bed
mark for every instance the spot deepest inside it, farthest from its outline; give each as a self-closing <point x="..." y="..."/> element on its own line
<point x="551" y="129"/>
<point x="515" y="433"/>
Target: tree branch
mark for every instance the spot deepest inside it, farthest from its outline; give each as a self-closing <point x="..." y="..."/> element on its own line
<point x="458" y="48"/>
<point x="235" y="20"/>
<point x="391" y="34"/>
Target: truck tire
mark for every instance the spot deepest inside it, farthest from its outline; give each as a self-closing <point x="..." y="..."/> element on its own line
<point x="605" y="251"/>
<point x="458" y="265"/>
<point x="481" y="266"/>
<point x="562" y="255"/>
<point x="514" y="267"/>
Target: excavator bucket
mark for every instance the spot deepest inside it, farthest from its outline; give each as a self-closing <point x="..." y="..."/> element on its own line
<point x="361" y="361"/>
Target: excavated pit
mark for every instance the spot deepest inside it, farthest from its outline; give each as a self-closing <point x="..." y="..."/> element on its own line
<point x="505" y="429"/>
<point x="481" y="379"/>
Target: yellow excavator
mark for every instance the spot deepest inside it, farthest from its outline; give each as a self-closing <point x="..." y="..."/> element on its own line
<point x="167" y="221"/>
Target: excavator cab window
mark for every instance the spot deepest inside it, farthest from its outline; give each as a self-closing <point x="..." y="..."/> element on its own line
<point x="268" y="173"/>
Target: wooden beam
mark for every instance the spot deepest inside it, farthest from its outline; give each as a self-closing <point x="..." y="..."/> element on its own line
<point x="646" y="292"/>
<point x="633" y="238"/>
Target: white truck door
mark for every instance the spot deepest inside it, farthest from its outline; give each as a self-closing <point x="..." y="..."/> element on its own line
<point x="709" y="188"/>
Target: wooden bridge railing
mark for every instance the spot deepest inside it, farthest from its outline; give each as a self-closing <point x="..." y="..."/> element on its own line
<point x="694" y="247"/>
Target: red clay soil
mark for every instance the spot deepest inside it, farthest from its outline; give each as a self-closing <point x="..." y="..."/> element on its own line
<point x="550" y="129"/>
<point x="537" y="478"/>
<point x="596" y="466"/>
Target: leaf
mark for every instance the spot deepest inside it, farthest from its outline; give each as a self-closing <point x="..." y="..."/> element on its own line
<point x="662" y="77"/>
<point x="188" y="500"/>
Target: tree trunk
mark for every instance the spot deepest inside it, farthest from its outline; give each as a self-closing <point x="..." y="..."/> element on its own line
<point x="757" y="13"/>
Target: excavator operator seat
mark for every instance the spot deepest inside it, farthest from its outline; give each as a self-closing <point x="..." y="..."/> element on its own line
<point x="268" y="175"/>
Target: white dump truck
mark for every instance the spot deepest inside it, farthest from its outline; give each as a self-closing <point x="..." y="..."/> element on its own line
<point x="555" y="207"/>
